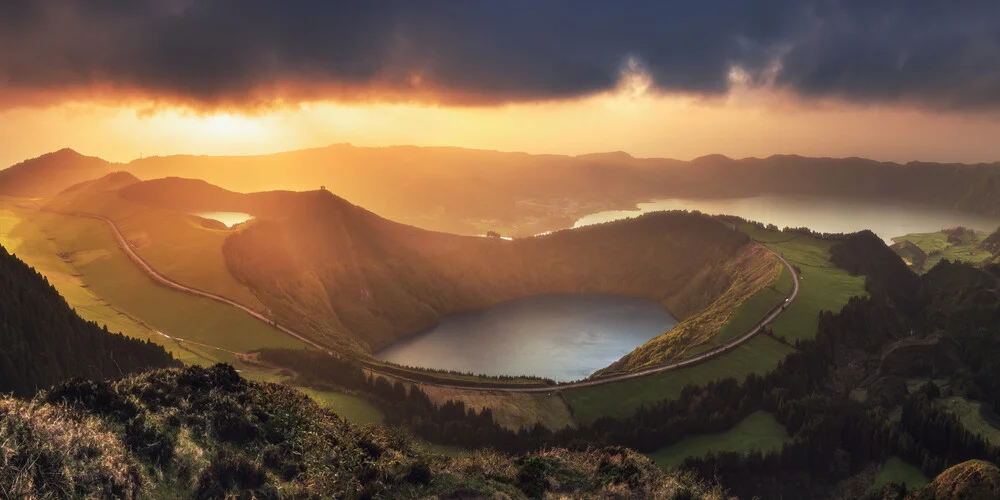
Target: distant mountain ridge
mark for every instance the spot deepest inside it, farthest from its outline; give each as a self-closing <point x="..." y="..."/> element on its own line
<point x="469" y="191"/>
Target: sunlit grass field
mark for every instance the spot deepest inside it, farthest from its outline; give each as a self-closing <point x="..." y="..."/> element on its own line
<point x="99" y="280"/>
<point x="937" y="247"/>
<point x="175" y="244"/>
<point x="822" y="285"/>
<point x="759" y="431"/>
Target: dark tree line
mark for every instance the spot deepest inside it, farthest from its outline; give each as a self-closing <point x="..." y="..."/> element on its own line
<point x="43" y="341"/>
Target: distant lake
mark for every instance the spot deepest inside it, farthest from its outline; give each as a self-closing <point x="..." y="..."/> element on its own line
<point x="824" y="215"/>
<point x="558" y="336"/>
<point x="230" y="219"/>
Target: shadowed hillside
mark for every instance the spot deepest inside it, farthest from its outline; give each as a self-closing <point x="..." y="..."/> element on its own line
<point x="43" y="341"/>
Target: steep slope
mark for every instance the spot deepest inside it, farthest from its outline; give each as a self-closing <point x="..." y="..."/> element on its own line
<point x="51" y="173"/>
<point x="43" y="341"/>
<point x="991" y="243"/>
<point x="207" y="433"/>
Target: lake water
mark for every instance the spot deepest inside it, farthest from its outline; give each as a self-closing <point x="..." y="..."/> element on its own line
<point x="230" y="219"/>
<point x="558" y="336"/>
<point x="887" y="220"/>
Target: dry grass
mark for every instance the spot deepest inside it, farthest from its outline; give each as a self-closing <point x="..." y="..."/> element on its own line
<point x="51" y="452"/>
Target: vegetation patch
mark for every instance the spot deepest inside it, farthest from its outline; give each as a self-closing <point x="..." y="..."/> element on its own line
<point x="754" y="273"/>
<point x="760" y="354"/>
<point x="955" y="244"/>
<point x="896" y="470"/>
<point x="176" y="244"/>
<point x="512" y="411"/>
<point x="970" y="414"/>
<point x="117" y="280"/>
<point x="823" y="287"/>
<point x="758" y="432"/>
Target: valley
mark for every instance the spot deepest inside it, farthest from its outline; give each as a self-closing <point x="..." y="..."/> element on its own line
<point x="479" y="250"/>
<point x="217" y="276"/>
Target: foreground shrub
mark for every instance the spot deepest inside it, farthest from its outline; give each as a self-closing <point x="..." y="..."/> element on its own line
<point x="49" y="451"/>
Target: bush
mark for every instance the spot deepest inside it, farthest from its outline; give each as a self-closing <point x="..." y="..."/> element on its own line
<point x="231" y="475"/>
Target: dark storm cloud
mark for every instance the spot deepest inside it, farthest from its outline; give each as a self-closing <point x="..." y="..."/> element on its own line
<point x="249" y="52"/>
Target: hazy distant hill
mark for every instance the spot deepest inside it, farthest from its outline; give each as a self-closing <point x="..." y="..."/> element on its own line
<point x="469" y="191"/>
<point x="51" y="173"/>
<point x="43" y="341"/>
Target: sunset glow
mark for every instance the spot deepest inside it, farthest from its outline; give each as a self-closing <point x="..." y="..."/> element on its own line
<point x="632" y="119"/>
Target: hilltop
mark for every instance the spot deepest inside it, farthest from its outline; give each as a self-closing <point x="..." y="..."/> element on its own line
<point x="51" y="173"/>
<point x="208" y="433"/>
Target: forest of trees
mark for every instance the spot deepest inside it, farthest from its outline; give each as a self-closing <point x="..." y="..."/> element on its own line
<point x="43" y="341"/>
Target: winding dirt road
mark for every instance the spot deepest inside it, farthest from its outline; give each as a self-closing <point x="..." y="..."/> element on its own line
<point x="170" y="283"/>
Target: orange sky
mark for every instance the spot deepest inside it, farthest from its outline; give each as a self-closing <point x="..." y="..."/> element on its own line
<point x="630" y="119"/>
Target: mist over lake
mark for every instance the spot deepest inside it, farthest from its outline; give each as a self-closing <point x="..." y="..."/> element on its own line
<point x="559" y="336"/>
<point x="825" y="215"/>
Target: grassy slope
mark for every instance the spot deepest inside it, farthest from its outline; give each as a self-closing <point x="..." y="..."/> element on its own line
<point x="759" y="431"/>
<point x="968" y="413"/>
<point x="175" y="244"/>
<point x="750" y="311"/>
<point x="620" y="399"/>
<point x="113" y="276"/>
<point x="937" y="248"/>
<point x="895" y="470"/>
<point x="823" y="287"/>
<point x="22" y="236"/>
<point x="753" y="273"/>
<point x="20" y="232"/>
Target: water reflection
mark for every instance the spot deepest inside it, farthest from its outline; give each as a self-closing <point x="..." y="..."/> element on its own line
<point x="559" y="336"/>
<point x="825" y="215"/>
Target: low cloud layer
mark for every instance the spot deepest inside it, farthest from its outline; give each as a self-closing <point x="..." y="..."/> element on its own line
<point x="244" y="53"/>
